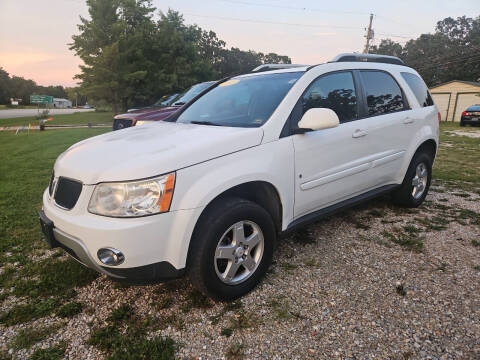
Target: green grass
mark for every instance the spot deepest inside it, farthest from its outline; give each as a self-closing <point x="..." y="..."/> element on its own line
<point x="52" y="353"/>
<point x="458" y="158"/>
<point x="25" y="168"/>
<point x="69" y="309"/>
<point x="80" y="118"/>
<point x="132" y="342"/>
<point x="28" y="337"/>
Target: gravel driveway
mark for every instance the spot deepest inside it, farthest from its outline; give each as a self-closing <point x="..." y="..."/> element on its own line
<point x="376" y="281"/>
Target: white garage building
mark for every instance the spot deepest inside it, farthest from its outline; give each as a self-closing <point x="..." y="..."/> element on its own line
<point x="62" y="103"/>
<point x="454" y="97"/>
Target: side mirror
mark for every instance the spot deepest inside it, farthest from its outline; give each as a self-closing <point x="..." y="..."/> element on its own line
<point x="317" y="119"/>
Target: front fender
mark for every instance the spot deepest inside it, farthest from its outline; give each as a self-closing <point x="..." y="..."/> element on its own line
<point x="273" y="163"/>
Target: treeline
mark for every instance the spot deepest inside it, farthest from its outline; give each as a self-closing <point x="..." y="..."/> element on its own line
<point x="131" y="59"/>
<point x="452" y="52"/>
<point x="20" y="88"/>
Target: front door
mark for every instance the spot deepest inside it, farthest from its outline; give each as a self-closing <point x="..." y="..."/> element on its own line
<point x="331" y="164"/>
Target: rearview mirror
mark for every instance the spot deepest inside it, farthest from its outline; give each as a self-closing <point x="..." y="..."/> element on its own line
<point x="318" y="119"/>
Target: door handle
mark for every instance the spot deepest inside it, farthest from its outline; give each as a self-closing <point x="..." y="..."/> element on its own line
<point x="408" y="120"/>
<point x="359" y="133"/>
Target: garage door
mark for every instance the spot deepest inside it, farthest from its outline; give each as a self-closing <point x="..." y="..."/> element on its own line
<point x="463" y="102"/>
<point x="442" y="101"/>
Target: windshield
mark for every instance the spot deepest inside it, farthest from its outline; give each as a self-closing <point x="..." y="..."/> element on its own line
<point x="165" y="100"/>
<point x="188" y="95"/>
<point x="241" y="101"/>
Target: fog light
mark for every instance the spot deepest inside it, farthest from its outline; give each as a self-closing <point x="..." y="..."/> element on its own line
<point x="110" y="256"/>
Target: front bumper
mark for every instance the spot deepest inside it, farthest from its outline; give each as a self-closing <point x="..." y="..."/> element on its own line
<point x="139" y="275"/>
<point x="155" y="247"/>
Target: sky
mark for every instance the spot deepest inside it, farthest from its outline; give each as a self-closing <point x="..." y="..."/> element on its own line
<point x="34" y="35"/>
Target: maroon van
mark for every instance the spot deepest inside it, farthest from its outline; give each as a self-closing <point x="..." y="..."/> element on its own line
<point x="155" y="113"/>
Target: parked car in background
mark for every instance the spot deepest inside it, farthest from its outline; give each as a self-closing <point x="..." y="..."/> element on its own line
<point x="164" y="101"/>
<point x="208" y="193"/>
<point x="140" y="116"/>
<point x="471" y="116"/>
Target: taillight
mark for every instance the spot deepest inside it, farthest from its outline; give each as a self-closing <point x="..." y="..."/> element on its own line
<point x="465" y="113"/>
<point x="439" y="116"/>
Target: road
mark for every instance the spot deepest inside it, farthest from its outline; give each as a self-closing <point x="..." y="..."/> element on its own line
<point x="14" y="113"/>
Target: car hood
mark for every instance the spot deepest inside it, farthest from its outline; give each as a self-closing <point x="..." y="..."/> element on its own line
<point x="149" y="150"/>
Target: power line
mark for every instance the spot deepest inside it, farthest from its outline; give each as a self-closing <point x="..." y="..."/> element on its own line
<point x="273" y="22"/>
<point x="445" y="64"/>
<point x="292" y="7"/>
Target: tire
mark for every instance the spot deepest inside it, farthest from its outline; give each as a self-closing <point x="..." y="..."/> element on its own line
<point x="406" y="195"/>
<point x="215" y="249"/>
<point x="462" y="123"/>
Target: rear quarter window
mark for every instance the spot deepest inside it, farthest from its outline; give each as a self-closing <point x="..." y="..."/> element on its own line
<point x="419" y="88"/>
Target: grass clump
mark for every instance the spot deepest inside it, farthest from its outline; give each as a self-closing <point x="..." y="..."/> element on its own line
<point x="411" y="241"/>
<point x="400" y="289"/>
<point x="243" y="321"/>
<point x="56" y="352"/>
<point x="282" y="310"/>
<point x="69" y="309"/>
<point x="195" y="299"/>
<point x="475" y="243"/>
<point x="235" y="351"/>
<point x="126" y="337"/>
<point x="28" y="337"/>
<point x="27" y="312"/>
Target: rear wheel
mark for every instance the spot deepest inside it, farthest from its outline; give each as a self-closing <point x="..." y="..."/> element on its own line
<point x="462" y="123"/>
<point x="416" y="183"/>
<point x="231" y="249"/>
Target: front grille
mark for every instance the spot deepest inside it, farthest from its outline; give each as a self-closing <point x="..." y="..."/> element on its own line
<point x="52" y="183"/>
<point x="67" y="192"/>
<point x="121" y="124"/>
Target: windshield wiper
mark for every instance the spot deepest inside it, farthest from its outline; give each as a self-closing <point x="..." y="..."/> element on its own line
<point x="180" y="103"/>
<point x="204" y="123"/>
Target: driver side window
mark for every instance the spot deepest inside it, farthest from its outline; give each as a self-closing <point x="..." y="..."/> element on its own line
<point x="334" y="91"/>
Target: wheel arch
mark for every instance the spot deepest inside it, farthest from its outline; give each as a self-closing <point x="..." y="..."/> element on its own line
<point x="429" y="146"/>
<point x="260" y="192"/>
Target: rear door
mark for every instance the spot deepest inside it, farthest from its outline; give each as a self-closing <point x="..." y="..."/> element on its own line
<point x="330" y="164"/>
<point x="391" y="124"/>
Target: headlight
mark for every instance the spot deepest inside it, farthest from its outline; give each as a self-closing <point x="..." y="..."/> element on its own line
<point x="135" y="198"/>
<point x="140" y="122"/>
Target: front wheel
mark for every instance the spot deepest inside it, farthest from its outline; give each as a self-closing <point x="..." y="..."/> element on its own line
<point x="416" y="183"/>
<point x="232" y="248"/>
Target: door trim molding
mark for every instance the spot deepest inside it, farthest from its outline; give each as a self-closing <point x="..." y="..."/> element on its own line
<point x="329" y="210"/>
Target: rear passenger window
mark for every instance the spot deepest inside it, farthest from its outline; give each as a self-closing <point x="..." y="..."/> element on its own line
<point x="334" y="91"/>
<point x="419" y="89"/>
<point x="383" y="93"/>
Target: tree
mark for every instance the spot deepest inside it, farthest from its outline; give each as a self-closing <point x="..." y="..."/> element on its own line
<point x="129" y="59"/>
<point x="4" y="87"/>
<point x="451" y="53"/>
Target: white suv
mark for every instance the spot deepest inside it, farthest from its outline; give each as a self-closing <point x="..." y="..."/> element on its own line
<point x="208" y="191"/>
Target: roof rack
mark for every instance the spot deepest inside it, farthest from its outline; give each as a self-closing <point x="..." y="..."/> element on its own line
<point x="270" y="67"/>
<point x="354" y="57"/>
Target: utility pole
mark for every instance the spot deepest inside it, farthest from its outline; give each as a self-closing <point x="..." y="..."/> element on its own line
<point x="369" y="35"/>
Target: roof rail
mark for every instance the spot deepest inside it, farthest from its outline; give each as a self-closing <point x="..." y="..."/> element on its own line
<point x="270" y="67"/>
<point x="354" y="57"/>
